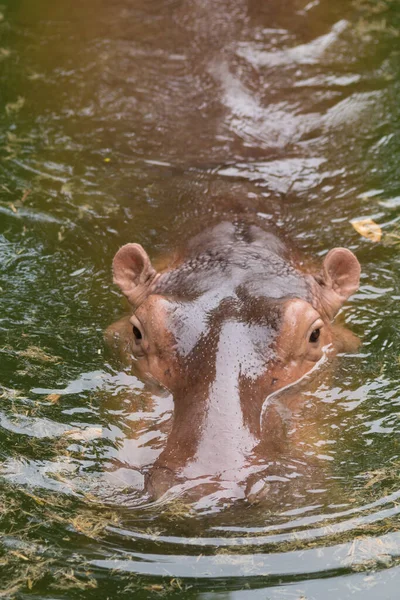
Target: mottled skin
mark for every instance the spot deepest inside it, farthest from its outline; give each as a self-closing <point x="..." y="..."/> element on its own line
<point x="232" y="321"/>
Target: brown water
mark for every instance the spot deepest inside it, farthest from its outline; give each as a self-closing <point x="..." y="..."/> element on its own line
<point x="118" y="122"/>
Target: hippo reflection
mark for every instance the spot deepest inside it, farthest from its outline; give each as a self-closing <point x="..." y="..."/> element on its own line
<point x="231" y="321"/>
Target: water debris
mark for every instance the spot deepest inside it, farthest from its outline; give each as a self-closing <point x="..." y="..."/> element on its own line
<point x="392" y="238"/>
<point x="94" y="525"/>
<point x="67" y="189"/>
<point x="365" y="27"/>
<point x="14" y="206"/>
<point x="155" y="587"/>
<point x="10" y="393"/>
<point x="34" y="76"/>
<point x="25" y="195"/>
<point x="376" y="478"/>
<point x="19" y="555"/>
<point x="13" y="147"/>
<point x="61" y="234"/>
<point x="68" y="579"/>
<point x="372" y="7"/>
<point x="162" y="589"/>
<point x="368" y="228"/>
<point x="54" y="398"/>
<point x="38" y="354"/>
<point x="35" y="569"/>
<point x="386" y="474"/>
<point x="13" y="107"/>
<point x="176" y="509"/>
<point x="84" y="435"/>
<point x="22" y="568"/>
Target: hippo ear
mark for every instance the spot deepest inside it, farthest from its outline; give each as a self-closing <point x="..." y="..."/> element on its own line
<point x="340" y="278"/>
<point x="133" y="272"/>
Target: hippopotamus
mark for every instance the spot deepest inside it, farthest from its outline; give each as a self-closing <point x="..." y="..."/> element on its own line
<point x="235" y="317"/>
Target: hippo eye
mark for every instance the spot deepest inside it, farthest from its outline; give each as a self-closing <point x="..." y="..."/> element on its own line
<point x="315" y="335"/>
<point x="136" y="333"/>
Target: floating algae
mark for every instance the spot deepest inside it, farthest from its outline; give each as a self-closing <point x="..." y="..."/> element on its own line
<point x="38" y="354"/>
<point x="27" y="561"/>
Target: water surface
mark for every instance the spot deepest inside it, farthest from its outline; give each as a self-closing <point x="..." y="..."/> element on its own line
<point x="118" y="122"/>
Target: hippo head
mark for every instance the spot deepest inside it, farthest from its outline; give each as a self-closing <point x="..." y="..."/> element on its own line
<point x="234" y="319"/>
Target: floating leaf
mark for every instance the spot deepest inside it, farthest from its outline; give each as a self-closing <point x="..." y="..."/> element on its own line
<point x="368" y="229"/>
<point x="53" y="398"/>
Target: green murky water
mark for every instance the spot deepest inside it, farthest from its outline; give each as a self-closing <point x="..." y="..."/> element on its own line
<point x="117" y="121"/>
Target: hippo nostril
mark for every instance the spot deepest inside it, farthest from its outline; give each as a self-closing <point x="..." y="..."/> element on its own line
<point x="274" y="381"/>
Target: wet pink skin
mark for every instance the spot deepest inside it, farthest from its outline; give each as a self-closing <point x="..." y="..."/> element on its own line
<point x="233" y="321"/>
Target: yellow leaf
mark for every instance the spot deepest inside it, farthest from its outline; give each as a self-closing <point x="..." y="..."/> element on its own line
<point x="53" y="398"/>
<point x="368" y="229"/>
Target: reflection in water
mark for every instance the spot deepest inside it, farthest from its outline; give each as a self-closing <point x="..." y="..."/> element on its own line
<point x="136" y="121"/>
